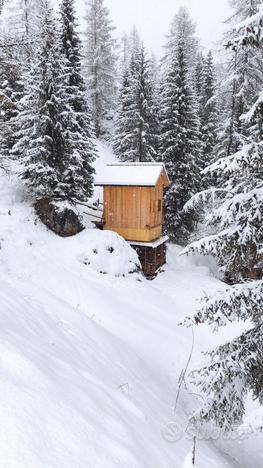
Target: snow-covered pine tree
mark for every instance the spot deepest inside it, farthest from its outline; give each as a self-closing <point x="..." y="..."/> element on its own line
<point x="154" y="106"/>
<point x="209" y="112"/>
<point x="22" y="18"/>
<point x="147" y="137"/>
<point x="101" y="61"/>
<point x="135" y="137"/>
<point x="236" y="207"/>
<point x="199" y="80"/>
<point x="243" y="80"/>
<point x="40" y="138"/>
<point x="11" y="92"/>
<point x="122" y="143"/>
<point x="125" y="53"/>
<point x="180" y="140"/>
<point x="54" y="141"/>
<point x="183" y="26"/>
<point x="79" y="123"/>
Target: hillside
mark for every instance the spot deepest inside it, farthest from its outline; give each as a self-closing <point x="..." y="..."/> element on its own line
<point x="89" y="361"/>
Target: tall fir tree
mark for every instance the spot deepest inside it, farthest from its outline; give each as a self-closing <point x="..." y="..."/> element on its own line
<point x="101" y="62"/>
<point x="244" y="75"/>
<point x="125" y="53"/>
<point x="123" y="124"/>
<point x="136" y="126"/>
<point x="209" y="115"/>
<point x="183" y="26"/>
<point x="55" y="140"/>
<point x="199" y="80"/>
<point x="11" y="92"/>
<point x="235" y="214"/>
<point x="180" y="138"/>
<point x="22" y="18"/>
<point x="80" y="123"/>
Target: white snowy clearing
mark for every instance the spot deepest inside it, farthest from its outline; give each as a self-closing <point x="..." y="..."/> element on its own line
<point x="90" y="361"/>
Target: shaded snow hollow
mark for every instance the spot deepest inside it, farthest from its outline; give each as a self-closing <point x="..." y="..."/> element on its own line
<point x="89" y="363"/>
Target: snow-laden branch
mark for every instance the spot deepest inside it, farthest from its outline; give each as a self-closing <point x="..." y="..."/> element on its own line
<point x="237" y="162"/>
<point x="250" y="115"/>
<point x="234" y="371"/>
<point x="209" y="195"/>
<point x="241" y="302"/>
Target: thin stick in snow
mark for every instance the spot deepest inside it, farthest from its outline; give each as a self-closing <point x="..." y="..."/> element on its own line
<point x="184" y="371"/>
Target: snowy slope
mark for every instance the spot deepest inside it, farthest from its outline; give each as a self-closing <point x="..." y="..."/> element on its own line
<point x="89" y="362"/>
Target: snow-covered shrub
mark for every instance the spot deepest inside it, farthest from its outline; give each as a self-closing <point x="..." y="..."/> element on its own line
<point x="108" y="253"/>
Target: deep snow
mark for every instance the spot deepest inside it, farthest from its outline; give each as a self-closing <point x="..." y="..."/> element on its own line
<point x="89" y="362"/>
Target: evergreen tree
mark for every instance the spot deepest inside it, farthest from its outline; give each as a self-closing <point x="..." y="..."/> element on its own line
<point x="182" y="26"/>
<point x="209" y="112"/>
<point x="54" y="142"/>
<point x="236" y="208"/>
<point x="135" y="137"/>
<point x="244" y="76"/>
<point x="236" y="219"/>
<point x="81" y="129"/>
<point x="101" y="65"/>
<point x="22" y="18"/>
<point x="154" y="105"/>
<point x="11" y="92"/>
<point x="123" y="141"/>
<point x="125" y="53"/>
<point x="40" y="140"/>
<point x="199" y="81"/>
<point x="180" y="146"/>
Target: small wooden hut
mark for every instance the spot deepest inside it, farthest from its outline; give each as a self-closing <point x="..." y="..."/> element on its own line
<point x="133" y="207"/>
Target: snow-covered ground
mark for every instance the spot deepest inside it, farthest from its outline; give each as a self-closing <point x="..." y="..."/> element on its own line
<point x="90" y="355"/>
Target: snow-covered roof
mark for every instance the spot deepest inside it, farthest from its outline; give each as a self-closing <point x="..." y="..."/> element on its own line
<point x="131" y="174"/>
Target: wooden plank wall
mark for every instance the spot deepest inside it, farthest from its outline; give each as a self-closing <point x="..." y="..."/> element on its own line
<point x="133" y="207"/>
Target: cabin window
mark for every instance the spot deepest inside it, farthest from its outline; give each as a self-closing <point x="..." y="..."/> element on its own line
<point x="159" y="205"/>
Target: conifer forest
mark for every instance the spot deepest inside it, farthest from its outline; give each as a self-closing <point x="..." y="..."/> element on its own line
<point x="131" y="235"/>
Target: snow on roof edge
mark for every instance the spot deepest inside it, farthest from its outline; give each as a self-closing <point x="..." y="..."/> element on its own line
<point x="120" y="177"/>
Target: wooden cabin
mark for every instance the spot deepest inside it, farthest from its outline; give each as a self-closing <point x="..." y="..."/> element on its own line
<point x="133" y="207"/>
<point x="133" y="200"/>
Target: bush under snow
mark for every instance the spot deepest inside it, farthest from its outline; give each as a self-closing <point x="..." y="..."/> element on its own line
<point x="107" y="253"/>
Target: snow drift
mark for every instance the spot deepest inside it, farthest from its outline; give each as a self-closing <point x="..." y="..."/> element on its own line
<point x="89" y="362"/>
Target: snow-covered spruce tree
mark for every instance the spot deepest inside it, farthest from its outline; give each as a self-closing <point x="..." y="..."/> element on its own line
<point x="135" y="137"/>
<point x="236" y="368"/>
<point x="54" y="143"/>
<point x="40" y="138"/>
<point x="124" y="56"/>
<point x="123" y="141"/>
<point x="180" y="146"/>
<point x="206" y="89"/>
<point x="18" y="37"/>
<point x="154" y="106"/>
<point x="22" y="18"/>
<point x="79" y="124"/>
<point x="244" y="76"/>
<point x="199" y="80"/>
<point x="101" y="62"/>
<point x="209" y="112"/>
<point x="183" y="26"/>
<point x="11" y="92"/>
